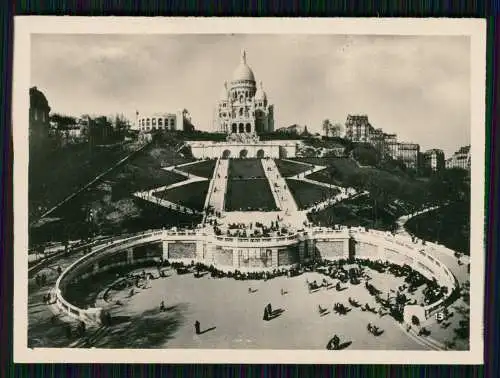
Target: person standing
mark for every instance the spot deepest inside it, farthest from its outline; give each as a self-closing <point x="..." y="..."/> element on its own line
<point x="197" y="327"/>
<point x="336" y="341"/>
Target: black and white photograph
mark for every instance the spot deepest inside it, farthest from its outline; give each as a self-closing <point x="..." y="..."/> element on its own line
<point x="224" y="190"/>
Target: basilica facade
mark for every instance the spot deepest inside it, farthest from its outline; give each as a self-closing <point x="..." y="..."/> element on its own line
<point x="243" y="108"/>
<point x="242" y="113"/>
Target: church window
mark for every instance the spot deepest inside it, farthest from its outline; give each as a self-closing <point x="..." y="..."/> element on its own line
<point x="233" y="128"/>
<point x="241" y="128"/>
<point x="248" y="127"/>
<point x="246" y="94"/>
<point x="241" y="111"/>
<point x="160" y="122"/>
<point x="153" y="121"/>
<point x="147" y="122"/>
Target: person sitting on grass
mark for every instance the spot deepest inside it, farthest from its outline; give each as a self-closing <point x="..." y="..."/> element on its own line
<point x="162" y="306"/>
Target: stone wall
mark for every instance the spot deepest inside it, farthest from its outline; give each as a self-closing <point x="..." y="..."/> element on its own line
<point x="148" y="251"/>
<point x="288" y="256"/>
<point x="331" y="249"/>
<point x="255" y="258"/>
<point x="367" y="250"/>
<point x="223" y="256"/>
<point x="271" y="149"/>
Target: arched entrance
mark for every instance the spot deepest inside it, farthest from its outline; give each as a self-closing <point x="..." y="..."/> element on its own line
<point x="226" y="154"/>
<point x="260" y="154"/>
<point x="241" y="128"/>
<point x="248" y="128"/>
<point x="243" y="153"/>
<point x="234" y="128"/>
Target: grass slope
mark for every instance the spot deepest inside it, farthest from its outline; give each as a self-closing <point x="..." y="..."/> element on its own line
<point x="307" y="194"/>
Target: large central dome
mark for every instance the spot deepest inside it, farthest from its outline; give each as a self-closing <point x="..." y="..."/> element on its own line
<point x="243" y="72"/>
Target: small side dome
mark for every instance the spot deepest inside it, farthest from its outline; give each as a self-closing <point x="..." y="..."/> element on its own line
<point x="260" y="94"/>
<point x="224" y="94"/>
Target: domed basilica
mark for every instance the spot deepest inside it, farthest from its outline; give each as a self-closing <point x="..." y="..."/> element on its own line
<point x="243" y="110"/>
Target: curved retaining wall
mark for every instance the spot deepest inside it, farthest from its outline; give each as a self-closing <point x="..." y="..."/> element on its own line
<point x="257" y="254"/>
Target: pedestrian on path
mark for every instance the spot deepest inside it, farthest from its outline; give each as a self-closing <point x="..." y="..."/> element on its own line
<point x="197" y="327"/>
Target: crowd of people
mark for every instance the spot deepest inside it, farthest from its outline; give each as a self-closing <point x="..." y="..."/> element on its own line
<point x="252" y="229"/>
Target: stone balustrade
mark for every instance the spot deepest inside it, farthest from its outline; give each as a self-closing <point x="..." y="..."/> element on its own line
<point x="201" y="245"/>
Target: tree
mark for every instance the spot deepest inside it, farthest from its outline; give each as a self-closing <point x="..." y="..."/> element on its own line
<point x="336" y="129"/>
<point x="326" y="127"/>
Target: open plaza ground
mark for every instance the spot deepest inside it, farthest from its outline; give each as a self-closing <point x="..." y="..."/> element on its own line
<point x="231" y="317"/>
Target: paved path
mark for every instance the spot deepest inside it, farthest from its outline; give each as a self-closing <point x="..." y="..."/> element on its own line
<point x="282" y="195"/>
<point x="343" y="195"/>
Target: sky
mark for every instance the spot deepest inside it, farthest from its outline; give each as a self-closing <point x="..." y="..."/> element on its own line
<point x="415" y="86"/>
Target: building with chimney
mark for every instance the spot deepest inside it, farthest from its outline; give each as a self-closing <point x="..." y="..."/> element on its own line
<point x="433" y="159"/>
<point x="460" y="159"/>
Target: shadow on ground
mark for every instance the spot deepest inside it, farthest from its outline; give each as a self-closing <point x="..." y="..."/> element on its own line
<point x="150" y="329"/>
<point x="48" y="332"/>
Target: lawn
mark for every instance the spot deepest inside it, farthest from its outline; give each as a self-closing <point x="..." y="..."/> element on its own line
<point x="449" y="226"/>
<point x="288" y="168"/>
<point x="345" y="172"/>
<point x="361" y="211"/>
<point x="245" y="168"/>
<point x="307" y="194"/>
<point x="249" y="195"/>
<point x="203" y="168"/>
<point x="132" y="178"/>
<point x="190" y="195"/>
